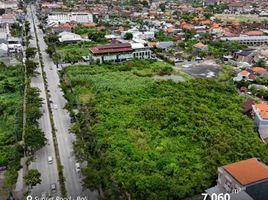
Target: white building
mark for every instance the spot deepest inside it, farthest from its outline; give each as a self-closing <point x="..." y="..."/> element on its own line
<point x="120" y="52"/>
<point x="14" y="44"/>
<point x="260" y="113"/>
<point x="3" y="50"/>
<point x="79" y="17"/>
<point x="68" y="37"/>
<point x="9" y="4"/>
<point x="249" y="40"/>
<point x="140" y="35"/>
<point x="141" y="51"/>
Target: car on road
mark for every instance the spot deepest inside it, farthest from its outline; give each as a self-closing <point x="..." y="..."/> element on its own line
<point x="77" y="167"/>
<point x="55" y="106"/>
<point x="53" y="188"/>
<point x="50" y="160"/>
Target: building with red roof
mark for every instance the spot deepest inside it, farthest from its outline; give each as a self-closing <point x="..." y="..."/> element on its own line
<point x="120" y="52"/>
<point x="260" y="115"/>
<point x="247" y="178"/>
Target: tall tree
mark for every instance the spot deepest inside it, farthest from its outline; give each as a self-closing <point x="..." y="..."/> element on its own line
<point x="30" y="52"/>
<point x="33" y="177"/>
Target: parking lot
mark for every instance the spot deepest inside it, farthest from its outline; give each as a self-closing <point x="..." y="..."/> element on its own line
<point x="206" y="69"/>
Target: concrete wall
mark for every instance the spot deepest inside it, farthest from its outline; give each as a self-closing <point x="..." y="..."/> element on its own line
<point x="224" y="177"/>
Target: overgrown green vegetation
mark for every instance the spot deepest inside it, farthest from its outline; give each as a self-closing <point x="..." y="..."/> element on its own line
<point x="74" y="52"/>
<point x="11" y="89"/>
<point x="33" y="177"/>
<point x="16" y="29"/>
<point x="155" y="139"/>
<point x="216" y="49"/>
<point x="92" y="33"/>
<point x="161" y="36"/>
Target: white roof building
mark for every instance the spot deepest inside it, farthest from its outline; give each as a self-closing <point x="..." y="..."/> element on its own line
<point x="111" y="37"/>
<point x="79" y="17"/>
<point x="249" y="40"/>
<point x="68" y="37"/>
<point x="9" y="4"/>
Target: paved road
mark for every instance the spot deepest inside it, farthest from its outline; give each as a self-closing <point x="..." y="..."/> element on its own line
<point x="62" y="123"/>
<point x="49" y="172"/>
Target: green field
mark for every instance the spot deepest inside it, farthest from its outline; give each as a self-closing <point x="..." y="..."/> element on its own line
<point x="74" y="52"/>
<point x="11" y="88"/>
<point x="155" y="139"/>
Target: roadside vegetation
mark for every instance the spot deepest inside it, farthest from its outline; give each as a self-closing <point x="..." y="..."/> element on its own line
<point x="152" y="139"/>
<point x="11" y="104"/>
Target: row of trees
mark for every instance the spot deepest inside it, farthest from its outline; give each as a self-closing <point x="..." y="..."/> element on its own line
<point x="52" y="41"/>
<point x="155" y="139"/>
<point x="34" y="137"/>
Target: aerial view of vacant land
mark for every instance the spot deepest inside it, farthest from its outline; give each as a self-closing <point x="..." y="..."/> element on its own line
<point x="155" y="139"/>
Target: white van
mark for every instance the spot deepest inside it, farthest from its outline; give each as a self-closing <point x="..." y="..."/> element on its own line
<point x="50" y="160"/>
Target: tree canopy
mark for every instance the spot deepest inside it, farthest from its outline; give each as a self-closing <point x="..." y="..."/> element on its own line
<point x="33" y="177"/>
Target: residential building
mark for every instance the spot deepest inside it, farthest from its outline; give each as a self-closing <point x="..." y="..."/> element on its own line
<point x="8" y="19"/>
<point x="247" y="178"/>
<point x="201" y="47"/>
<point x="260" y="115"/>
<point x="246" y="55"/>
<point x="120" y="52"/>
<point x="243" y="75"/>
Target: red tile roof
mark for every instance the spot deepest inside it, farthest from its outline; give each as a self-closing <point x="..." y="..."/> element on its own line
<point x="254" y="33"/>
<point x="263" y="110"/>
<point x="244" y="73"/>
<point x="89" y="25"/>
<point x="114" y="48"/>
<point x="251" y="76"/>
<point x="199" y="45"/>
<point x="247" y="171"/>
<point x="259" y="69"/>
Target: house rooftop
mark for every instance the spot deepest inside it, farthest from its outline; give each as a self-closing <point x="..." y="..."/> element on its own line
<point x="263" y="110"/>
<point x="113" y="48"/>
<point x="199" y="45"/>
<point x="244" y="73"/>
<point x="248" y="171"/>
<point x="259" y="69"/>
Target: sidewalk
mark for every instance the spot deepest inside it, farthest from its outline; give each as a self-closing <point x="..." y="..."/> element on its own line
<point x="20" y="189"/>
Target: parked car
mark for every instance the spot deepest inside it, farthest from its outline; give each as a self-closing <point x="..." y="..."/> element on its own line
<point x="53" y="188"/>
